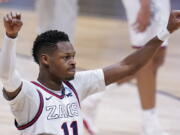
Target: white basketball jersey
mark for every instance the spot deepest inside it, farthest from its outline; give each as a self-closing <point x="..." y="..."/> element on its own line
<point x="57" y="114"/>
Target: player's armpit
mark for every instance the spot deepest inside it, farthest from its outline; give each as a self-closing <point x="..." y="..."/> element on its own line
<point x="11" y="95"/>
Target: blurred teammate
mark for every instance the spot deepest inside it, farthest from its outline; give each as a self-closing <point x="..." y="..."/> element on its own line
<point x="52" y="103"/>
<point x="57" y="14"/>
<point x="144" y="17"/>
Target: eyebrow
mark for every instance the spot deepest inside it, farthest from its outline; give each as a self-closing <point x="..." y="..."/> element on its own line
<point x="70" y="52"/>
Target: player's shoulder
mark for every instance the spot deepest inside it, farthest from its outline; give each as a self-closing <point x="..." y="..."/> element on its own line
<point x="27" y="90"/>
<point x="28" y="84"/>
<point x="83" y="77"/>
<point x="88" y="73"/>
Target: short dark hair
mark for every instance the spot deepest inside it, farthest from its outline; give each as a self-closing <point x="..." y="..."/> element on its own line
<point x="46" y="42"/>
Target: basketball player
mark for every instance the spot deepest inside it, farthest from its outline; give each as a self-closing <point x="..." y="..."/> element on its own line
<point x="143" y="18"/>
<point x="52" y="103"/>
<point x="62" y="15"/>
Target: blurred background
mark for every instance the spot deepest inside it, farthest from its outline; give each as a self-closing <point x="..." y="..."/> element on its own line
<point x="98" y="8"/>
<point x="101" y="38"/>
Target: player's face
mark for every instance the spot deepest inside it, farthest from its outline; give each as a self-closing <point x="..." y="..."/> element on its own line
<point x="62" y="64"/>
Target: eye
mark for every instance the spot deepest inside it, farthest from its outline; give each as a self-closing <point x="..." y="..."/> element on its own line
<point x="66" y="57"/>
<point x="73" y="56"/>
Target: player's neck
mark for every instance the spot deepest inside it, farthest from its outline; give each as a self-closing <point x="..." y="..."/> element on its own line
<point x="50" y="82"/>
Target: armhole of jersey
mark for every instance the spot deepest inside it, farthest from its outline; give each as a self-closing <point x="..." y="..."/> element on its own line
<point x="22" y="127"/>
<point x="73" y="89"/>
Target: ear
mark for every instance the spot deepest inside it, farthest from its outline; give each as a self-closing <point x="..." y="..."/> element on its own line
<point x="44" y="59"/>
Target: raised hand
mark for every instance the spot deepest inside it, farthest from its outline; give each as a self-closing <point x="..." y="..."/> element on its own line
<point x="12" y="24"/>
<point x="174" y="21"/>
<point x="142" y="20"/>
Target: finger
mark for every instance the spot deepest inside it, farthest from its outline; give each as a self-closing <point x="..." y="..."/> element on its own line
<point x="177" y="16"/>
<point x="145" y="26"/>
<point x="135" y="25"/>
<point x="13" y="14"/>
<point x="175" y="13"/>
<point x="141" y="28"/>
<point x="178" y="21"/>
<point x="5" y="19"/>
<point x="18" y="15"/>
<point x="9" y="17"/>
<point x="138" y="27"/>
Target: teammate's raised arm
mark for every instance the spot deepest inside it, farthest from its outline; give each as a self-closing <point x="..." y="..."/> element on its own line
<point x="10" y="78"/>
<point x="132" y="63"/>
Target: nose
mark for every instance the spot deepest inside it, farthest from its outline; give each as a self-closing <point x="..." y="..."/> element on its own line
<point x="72" y="61"/>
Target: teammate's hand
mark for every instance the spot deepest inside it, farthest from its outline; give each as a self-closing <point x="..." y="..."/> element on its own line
<point x="142" y="20"/>
<point x="174" y="21"/>
<point x="12" y="24"/>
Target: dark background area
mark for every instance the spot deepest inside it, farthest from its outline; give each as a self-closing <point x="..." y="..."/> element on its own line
<point x="100" y="8"/>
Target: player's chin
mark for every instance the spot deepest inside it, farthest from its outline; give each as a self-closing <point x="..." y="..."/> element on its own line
<point x="70" y="76"/>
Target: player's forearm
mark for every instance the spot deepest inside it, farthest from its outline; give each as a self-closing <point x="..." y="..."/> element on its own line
<point x="8" y="55"/>
<point x="10" y="78"/>
<point x="139" y="58"/>
<point x="132" y="63"/>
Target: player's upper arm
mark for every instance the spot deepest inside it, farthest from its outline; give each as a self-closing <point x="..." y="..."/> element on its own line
<point x="11" y="85"/>
<point x="89" y="82"/>
<point x="26" y="104"/>
<point x="10" y="78"/>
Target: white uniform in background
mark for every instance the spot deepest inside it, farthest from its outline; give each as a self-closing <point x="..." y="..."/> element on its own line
<point x="57" y="14"/>
<point x="160" y="10"/>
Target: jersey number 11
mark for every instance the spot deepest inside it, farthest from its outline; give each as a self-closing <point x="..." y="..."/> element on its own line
<point x="73" y="127"/>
